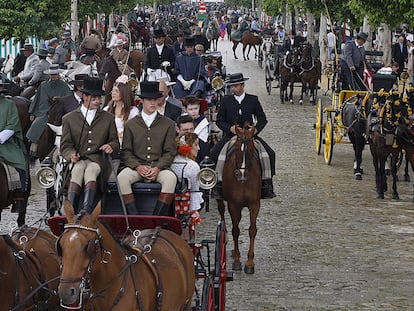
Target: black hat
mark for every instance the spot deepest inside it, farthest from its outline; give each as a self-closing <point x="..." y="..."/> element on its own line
<point x="150" y="89"/>
<point x="189" y="41"/>
<point x="159" y="33"/>
<point x="236" y="78"/>
<point x="42" y="52"/>
<point x="362" y="35"/>
<point x="93" y="87"/>
<point x="27" y="47"/>
<point x="79" y="78"/>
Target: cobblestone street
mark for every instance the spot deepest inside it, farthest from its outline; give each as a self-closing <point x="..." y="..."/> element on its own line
<point x="325" y="242"/>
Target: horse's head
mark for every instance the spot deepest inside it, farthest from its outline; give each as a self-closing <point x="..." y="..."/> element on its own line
<point x="80" y="247"/>
<point x="244" y="150"/>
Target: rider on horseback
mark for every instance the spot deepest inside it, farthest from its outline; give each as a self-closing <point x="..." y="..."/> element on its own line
<point x="234" y="111"/>
<point x="12" y="149"/>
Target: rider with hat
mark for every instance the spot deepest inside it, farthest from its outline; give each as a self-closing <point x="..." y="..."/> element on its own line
<point x="12" y="149"/>
<point x="39" y="75"/>
<point x="191" y="72"/>
<point x="87" y="133"/>
<point x="60" y="53"/>
<point x="235" y="110"/>
<point x="352" y="63"/>
<point x="29" y="66"/>
<point x="148" y="150"/>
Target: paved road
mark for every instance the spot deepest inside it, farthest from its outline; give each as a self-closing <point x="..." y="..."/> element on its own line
<point x="325" y="242"/>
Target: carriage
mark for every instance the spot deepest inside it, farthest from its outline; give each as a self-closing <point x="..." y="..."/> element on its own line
<point x="270" y="54"/>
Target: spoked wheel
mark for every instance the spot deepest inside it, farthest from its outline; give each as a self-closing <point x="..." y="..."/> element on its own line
<point x="319" y="126"/>
<point x="220" y="271"/>
<point x="207" y="298"/>
<point x="268" y="79"/>
<point x="329" y="141"/>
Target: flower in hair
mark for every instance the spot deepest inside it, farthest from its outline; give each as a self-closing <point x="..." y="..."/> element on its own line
<point x="184" y="150"/>
<point x="122" y="79"/>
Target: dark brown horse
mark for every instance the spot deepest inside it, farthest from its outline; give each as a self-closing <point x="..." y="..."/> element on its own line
<point x="310" y="73"/>
<point x="29" y="271"/>
<point x="242" y="188"/>
<point x="6" y="196"/>
<point x="247" y="39"/>
<point x="152" y="271"/>
<point x="288" y="74"/>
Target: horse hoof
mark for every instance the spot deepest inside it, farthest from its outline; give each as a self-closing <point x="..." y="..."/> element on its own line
<point x="380" y="196"/>
<point x="406" y="177"/>
<point x="395" y="196"/>
<point x="358" y="176"/>
<point x="248" y="270"/>
<point x="291" y="101"/>
<point x="300" y="102"/>
<point x="236" y="266"/>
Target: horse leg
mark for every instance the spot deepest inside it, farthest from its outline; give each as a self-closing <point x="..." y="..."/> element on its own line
<point x="221" y="208"/>
<point x="291" y="91"/>
<point x="301" y="93"/>
<point x="255" y="52"/>
<point x="254" y="212"/>
<point x="394" y="157"/>
<point x="378" y="174"/>
<point x="235" y="214"/>
<point x="235" y="44"/>
<point x="244" y="49"/>
<point x="406" y="174"/>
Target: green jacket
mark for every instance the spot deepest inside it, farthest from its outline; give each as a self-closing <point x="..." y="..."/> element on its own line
<point x="153" y="146"/>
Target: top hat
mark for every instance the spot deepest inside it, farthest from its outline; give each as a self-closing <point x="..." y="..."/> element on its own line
<point x="42" y="52"/>
<point x="93" y="87"/>
<point x="362" y="35"/>
<point x="189" y="41"/>
<point x="119" y="42"/>
<point x="79" y="78"/>
<point x="236" y="78"/>
<point x="159" y="33"/>
<point x="150" y="89"/>
<point x="66" y="35"/>
<point x="53" y="70"/>
<point x="27" y="47"/>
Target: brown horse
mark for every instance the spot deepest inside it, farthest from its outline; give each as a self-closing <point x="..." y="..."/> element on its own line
<point x="29" y="271"/>
<point x="247" y="39"/>
<point x="288" y="75"/>
<point x="242" y="183"/>
<point x="6" y="196"/>
<point x="310" y="73"/>
<point x="152" y="270"/>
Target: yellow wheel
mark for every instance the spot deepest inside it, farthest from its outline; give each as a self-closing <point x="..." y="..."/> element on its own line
<point x="319" y="126"/>
<point x="329" y="141"/>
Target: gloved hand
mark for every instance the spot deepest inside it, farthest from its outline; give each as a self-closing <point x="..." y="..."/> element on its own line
<point x="165" y="64"/>
<point x="187" y="85"/>
<point x="149" y="71"/>
<point x="191" y="83"/>
<point x="183" y="82"/>
<point x="5" y="135"/>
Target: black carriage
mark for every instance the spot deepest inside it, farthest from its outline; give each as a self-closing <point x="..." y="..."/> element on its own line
<point x="272" y="62"/>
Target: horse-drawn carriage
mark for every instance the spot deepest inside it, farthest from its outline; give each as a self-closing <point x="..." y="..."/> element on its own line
<point x="270" y="53"/>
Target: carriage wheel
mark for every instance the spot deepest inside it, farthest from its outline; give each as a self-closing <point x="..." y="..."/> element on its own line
<point x="329" y="141"/>
<point x="207" y="298"/>
<point x="319" y="126"/>
<point x="268" y="79"/>
<point x="220" y="271"/>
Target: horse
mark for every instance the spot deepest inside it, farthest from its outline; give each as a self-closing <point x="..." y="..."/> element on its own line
<point x="29" y="270"/>
<point x="384" y="122"/>
<point x="310" y="72"/>
<point x="288" y="74"/>
<point x="250" y="39"/>
<point x="212" y="34"/>
<point x="6" y="195"/>
<point x="242" y="183"/>
<point x="354" y="112"/>
<point x="151" y="270"/>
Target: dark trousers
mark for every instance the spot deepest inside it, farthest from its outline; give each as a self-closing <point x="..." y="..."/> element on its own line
<point x="350" y="80"/>
<point x="23" y="179"/>
<point x="215" y="151"/>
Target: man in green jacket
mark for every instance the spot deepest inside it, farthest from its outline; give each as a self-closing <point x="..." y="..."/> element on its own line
<point x="148" y="149"/>
<point x="88" y="132"/>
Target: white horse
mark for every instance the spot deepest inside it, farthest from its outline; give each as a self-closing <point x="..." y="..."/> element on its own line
<point x="76" y="67"/>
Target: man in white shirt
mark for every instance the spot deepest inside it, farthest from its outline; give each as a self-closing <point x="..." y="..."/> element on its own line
<point x="331" y="44"/>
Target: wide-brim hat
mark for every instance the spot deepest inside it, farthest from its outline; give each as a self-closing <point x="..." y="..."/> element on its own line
<point x="53" y="70"/>
<point x="93" y="86"/>
<point x="51" y="50"/>
<point x="66" y="35"/>
<point x="159" y="33"/>
<point x="27" y="47"/>
<point x="79" y="79"/>
<point x="42" y="52"/>
<point x="189" y="41"/>
<point x="119" y="42"/>
<point x="150" y="89"/>
<point x="235" y="78"/>
<point x="53" y="40"/>
<point x="362" y="35"/>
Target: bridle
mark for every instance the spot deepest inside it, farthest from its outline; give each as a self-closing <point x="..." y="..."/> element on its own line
<point x="241" y="173"/>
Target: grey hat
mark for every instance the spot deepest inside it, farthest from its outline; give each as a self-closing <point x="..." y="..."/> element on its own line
<point x="42" y="52"/>
<point x="51" y="50"/>
<point x="362" y="35"/>
<point x="66" y="35"/>
<point x="27" y="47"/>
<point x="53" y="70"/>
<point x="236" y="78"/>
<point x="53" y="40"/>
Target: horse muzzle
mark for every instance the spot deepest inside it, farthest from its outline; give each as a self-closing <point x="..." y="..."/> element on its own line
<point x="71" y="295"/>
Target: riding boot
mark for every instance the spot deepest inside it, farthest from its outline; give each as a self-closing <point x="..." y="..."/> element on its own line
<point x="19" y="201"/>
<point x="129" y="201"/>
<point x="163" y="205"/>
<point x="74" y="192"/>
<point x="89" y="193"/>
<point x="267" y="189"/>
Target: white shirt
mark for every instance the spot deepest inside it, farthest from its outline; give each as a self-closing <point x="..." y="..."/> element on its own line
<point x="331" y="39"/>
<point x="240" y="98"/>
<point x="159" y="48"/>
<point x="88" y="114"/>
<point x="148" y="119"/>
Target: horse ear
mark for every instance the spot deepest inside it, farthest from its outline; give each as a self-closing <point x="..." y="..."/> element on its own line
<point x="97" y="210"/>
<point x="69" y="212"/>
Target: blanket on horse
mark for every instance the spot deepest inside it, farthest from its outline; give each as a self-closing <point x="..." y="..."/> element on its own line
<point x="13" y="177"/>
<point x="263" y="156"/>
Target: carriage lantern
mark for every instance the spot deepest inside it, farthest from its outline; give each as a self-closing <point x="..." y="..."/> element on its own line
<point x="207" y="177"/>
<point x="46" y="177"/>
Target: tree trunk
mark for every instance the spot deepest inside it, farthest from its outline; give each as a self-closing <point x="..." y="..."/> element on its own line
<point x="367" y="29"/>
<point x="323" y="46"/>
<point x="384" y="42"/>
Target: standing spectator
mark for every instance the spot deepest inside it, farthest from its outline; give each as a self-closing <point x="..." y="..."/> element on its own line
<point x="229" y="27"/>
<point x="60" y="53"/>
<point x="222" y="29"/>
<point x="280" y="32"/>
<point x="331" y="38"/>
<point x="254" y="26"/>
<point x="43" y="65"/>
<point x="29" y="66"/>
<point x="399" y="53"/>
<point x="410" y="61"/>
